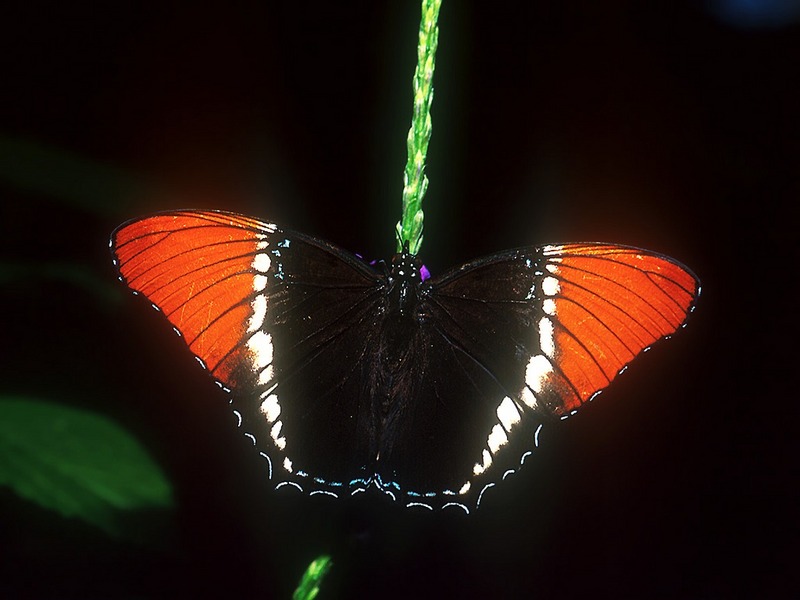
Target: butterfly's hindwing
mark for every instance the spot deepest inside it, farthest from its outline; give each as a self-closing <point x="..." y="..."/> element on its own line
<point x="317" y="317"/>
<point x="465" y="433"/>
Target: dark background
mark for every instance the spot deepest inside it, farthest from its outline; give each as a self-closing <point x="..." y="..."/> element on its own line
<point x="672" y="126"/>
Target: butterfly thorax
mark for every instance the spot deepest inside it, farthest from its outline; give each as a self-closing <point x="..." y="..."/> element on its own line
<point x="404" y="283"/>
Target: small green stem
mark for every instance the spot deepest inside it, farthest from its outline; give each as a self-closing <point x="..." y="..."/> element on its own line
<point x="415" y="183"/>
<point x="312" y="578"/>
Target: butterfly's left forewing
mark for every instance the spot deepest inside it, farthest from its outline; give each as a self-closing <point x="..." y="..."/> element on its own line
<point x="280" y="319"/>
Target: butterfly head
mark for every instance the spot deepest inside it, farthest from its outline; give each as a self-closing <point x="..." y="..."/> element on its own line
<point x="406" y="267"/>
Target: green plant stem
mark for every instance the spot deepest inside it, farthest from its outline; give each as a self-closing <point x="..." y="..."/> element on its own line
<point x="312" y="578"/>
<point x="415" y="183"/>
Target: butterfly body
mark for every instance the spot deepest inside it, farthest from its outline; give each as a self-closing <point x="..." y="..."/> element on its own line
<point x="351" y="377"/>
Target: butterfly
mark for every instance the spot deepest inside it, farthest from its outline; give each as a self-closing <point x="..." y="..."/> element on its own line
<point x="349" y="376"/>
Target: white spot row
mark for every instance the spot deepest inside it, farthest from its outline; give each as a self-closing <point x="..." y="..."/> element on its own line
<point x="552" y="251"/>
<point x="538" y="373"/>
<point x="259" y="306"/>
<point x="261" y="261"/>
<point x="277" y="438"/>
<point x="508" y="416"/>
<point x="270" y="408"/>
<point x="550" y="285"/>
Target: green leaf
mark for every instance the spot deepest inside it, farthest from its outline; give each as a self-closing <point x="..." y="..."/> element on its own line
<point x="79" y="464"/>
<point x="312" y="578"/>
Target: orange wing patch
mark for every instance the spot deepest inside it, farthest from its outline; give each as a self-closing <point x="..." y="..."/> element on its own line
<point x="610" y="304"/>
<point x="176" y="260"/>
